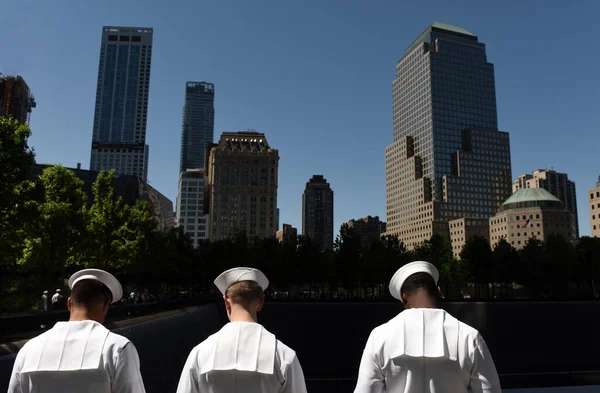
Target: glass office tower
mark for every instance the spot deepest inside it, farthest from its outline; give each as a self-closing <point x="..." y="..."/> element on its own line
<point x="119" y="139"/>
<point x="198" y="124"/>
<point x="448" y="159"/>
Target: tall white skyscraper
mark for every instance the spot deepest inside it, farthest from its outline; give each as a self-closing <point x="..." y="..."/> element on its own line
<point x="119" y="140"/>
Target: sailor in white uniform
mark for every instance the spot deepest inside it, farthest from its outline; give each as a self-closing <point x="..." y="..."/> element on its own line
<point x="80" y="355"/>
<point x="243" y="357"/>
<point x="424" y="349"/>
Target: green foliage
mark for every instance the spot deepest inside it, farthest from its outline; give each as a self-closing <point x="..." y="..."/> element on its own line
<point x="54" y="236"/>
<point x="47" y="231"/>
<point x="16" y="160"/>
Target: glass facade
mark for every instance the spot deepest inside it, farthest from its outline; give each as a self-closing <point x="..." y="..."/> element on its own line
<point x="198" y="124"/>
<point x="122" y="101"/>
<point x="448" y="159"/>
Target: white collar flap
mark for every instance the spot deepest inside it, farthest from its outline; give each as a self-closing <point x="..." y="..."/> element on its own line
<point x="243" y="346"/>
<point x="68" y="346"/>
<point x="423" y="332"/>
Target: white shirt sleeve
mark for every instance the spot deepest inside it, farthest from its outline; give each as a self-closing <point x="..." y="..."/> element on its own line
<point x="294" y="378"/>
<point x="370" y="377"/>
<point x="14" y="386"/>
<point x="127" y="378"/>
<point x="484" y="377"/>
<point x="188" y="382"/>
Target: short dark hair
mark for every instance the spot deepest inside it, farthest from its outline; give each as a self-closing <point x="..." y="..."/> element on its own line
<point x="244" y="292"/>
<point x="90" y="293"/>
<point x="420" y="280"/>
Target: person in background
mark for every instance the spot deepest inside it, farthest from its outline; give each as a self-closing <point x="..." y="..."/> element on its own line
<point x="80" y="355"/>
<point x="243" y="357"/>
<point x="424" y="349"/>
<point x="45" y="301"/>
<point x="56" y="299"/>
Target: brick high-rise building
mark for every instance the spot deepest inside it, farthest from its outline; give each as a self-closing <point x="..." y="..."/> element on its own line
<point x="594" y="200"/>
<point x="558" y="184"/>
<point x="242" y="186"/>
<point x="287" y="234"/>
<point x="317" y="212"/>
<point x="448" y="159"/>
<point x="369" y="229"/>
<point x="119" y="139"/>
<point x="462" y="229"/>
<point x="16" y="99"/>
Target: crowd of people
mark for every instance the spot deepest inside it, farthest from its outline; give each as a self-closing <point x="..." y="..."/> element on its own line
<point x="422" y="349"/>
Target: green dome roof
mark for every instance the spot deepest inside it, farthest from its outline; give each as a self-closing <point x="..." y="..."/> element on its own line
<point x="529" y="197"/>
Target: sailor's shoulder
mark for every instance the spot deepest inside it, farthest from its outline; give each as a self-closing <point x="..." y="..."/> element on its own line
<point x="468" y="330"/>
<point x="117" y="341"/>
<point x="35" y="342"/>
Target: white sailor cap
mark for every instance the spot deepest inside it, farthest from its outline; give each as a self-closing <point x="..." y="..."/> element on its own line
<point x="58" y="290"/>
<point x="45" y="291"/>
<point x="408" y="270"/>
<point x="237" y="274"/>
<point x="101" y="276"/>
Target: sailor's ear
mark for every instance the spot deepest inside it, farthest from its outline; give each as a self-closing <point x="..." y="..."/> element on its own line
<point x="105" y="306"/>
<point x="227" y="302"/>
<point x="261" y="303"/>
<point x="403" y="298"/>
<point x="69" y="303"/>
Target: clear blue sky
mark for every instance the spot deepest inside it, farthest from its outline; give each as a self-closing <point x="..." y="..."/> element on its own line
<point x="315" y="77"/>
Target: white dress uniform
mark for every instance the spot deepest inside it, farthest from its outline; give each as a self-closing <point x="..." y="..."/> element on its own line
<point x="425" y="350"/>
<point x="243" y="357"/>
<point x="75" y="357"/>
<point x="79" y="356"/>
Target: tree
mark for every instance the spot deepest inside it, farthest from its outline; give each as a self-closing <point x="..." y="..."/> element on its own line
<point x="16" y="161"/>
<point x="117" y="235"/>
<point x="53" y="239"/>
<point x="476" y="262"/>
<point x="105" y="220"/>
<point x="506" y="263"/>
<point x="588" y="264"/>
<point x="348" y="258"/>
<point x="383" y="258"/>
<point x="532" y="274"/>
<point x="559" y="259"/>
<point x="438" y="251"/>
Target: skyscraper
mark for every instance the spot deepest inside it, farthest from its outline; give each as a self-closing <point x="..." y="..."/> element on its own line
<point x="197" y="133"/>
<point x="15" y="98"/>
<point x="198" y="124"/>
<point x="242" y="186"/>
<point x="119" y="139"/>
<point x="190" y="215"/>
<point x="448" y="159"/>
<point x="317" y="212"/>
<point x="558" y="184"/>
<point x="594" y="201"/>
